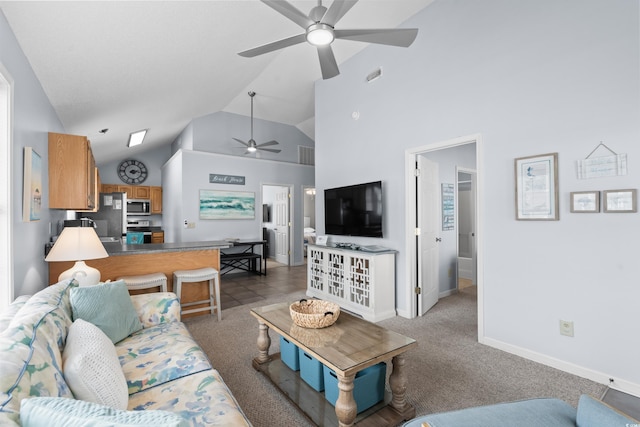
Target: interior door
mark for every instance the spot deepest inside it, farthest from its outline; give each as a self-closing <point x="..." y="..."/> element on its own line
<point x="428" y="224"/>
<point x="282" y="226"/>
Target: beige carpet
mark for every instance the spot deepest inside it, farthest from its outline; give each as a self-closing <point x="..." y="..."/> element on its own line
<point x="449" y="369"/>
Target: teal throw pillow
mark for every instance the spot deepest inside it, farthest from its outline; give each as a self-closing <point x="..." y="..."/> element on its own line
<point x="595" y="413"/>
<point x="63" y="412"/>
<point x="108" y="306"/>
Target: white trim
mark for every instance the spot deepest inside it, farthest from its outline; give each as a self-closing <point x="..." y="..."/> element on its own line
<point x="6" y="188"/>
<point x="410" y="218"/>
<point x="599" y="377"/>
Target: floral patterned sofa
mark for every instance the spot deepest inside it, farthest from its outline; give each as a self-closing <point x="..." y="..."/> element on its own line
<point x="164" y="368"/>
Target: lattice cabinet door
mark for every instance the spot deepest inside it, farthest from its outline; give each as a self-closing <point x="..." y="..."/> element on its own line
<point x="316" y="269"/>
<point x="336" y="274"/>
<point x="360" y="281"/>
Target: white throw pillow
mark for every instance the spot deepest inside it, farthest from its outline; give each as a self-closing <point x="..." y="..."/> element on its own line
<point x="91" y="367"/>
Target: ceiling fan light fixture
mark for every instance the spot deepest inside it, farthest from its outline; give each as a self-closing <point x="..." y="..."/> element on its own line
<point x="251" y="149"/>
<point x="320" y="34"/>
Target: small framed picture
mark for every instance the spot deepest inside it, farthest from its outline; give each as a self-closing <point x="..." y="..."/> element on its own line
<point x="620" y="201"/>
<point x="321" y="240"/>
<point x="585" y="201"/>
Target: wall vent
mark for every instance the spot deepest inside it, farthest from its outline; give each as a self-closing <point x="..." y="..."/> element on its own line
<point x="306" y="155"/>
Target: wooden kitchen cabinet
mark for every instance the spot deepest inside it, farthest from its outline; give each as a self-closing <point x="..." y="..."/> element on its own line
<point x="157" y="237"/>
<point x="126" y="189"/>
<point x="109" y="188"/>
<point x="73" y="176"/>
<point x="156" y="200"/>
<point x="141" y="192"/>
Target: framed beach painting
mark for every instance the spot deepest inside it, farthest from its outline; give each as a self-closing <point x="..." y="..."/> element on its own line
<point x="537" y="187"/>
<point x="32" y="186"/>
<point x="216" y="204"/>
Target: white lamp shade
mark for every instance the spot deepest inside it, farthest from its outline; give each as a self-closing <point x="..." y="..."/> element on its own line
<point x="78" y="244"/>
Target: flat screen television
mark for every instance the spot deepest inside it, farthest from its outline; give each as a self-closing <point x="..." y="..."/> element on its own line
<point x="355" y="210"/>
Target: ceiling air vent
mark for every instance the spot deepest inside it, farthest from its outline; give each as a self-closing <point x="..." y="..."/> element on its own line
<point x="306" y="155"/>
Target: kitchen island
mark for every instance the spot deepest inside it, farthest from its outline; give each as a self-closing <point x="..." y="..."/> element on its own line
<point x="133" y="260"/>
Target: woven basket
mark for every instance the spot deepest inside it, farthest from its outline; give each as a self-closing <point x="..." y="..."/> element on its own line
<point x="314" y="313"/>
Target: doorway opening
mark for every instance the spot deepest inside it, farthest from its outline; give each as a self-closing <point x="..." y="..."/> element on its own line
<point x="309" y="218"/>
<point x="449" y="156"/>
<point x="466" y="226"/>
<point x="276" y="222"/>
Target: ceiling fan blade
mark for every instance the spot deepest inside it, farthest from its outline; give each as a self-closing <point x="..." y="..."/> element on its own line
<point x="266" y="144"/>
<point x="269" y="149"/>
<point x="246" y="144"/>
<point x="290" y="11"/>
<point x="328" y="64"/>
<point x="270" y="47"/>
<point x="402" y="37"/>
<point x="337" y="10"/>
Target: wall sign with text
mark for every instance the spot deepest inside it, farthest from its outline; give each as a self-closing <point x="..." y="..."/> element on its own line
<point x="215" y="178"/>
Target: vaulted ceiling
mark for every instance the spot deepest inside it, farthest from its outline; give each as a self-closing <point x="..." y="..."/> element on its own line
<point x="131" y="65"/>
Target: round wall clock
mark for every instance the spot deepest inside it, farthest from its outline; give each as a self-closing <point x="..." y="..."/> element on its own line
<point x="132" y="171"/>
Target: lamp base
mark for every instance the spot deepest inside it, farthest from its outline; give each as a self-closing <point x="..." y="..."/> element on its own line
<point x="84" y="274"/>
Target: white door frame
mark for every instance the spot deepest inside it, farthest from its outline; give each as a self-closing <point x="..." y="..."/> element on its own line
<point x="292" y="213"/>
<point x="6" y="187"/>
<point x="410" y="218"/>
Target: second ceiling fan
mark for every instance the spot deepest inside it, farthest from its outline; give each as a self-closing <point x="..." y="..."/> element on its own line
<point x="251" y="145"/>
<point x="320" y="32"/>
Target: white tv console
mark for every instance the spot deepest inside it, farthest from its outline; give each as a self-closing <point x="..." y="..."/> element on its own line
<point x="360" y="282"/>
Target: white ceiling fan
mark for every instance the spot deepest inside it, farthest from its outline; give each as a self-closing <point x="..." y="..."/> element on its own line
<point x="320" y="32"/>
<point x="251" y="145"/>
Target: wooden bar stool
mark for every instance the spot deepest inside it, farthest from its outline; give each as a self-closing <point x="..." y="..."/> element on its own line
<point x="199" y="275"/>
<point x="146" y="281"/>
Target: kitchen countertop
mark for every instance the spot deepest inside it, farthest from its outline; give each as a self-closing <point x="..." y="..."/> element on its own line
<point x="115" y="249"/>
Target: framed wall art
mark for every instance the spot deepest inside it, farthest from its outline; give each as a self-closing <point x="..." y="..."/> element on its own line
<point x="32" y="186"/>
<point x="537" y="187"/>
<point x="585" y="201"/>
<point x="448" y="204"/>
<point x="215" y="204"/>
<point x="620" y="201"/>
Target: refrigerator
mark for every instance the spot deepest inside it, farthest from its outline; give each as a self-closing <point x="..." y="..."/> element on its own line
<point x="111" y="218"/>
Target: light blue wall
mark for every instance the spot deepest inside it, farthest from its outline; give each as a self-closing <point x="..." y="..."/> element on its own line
<point x="531" y="77"/>
<point x="33" y="117"/>
<point x="153" y="159"/>
<point x="214" y="133"/>
<point x="195" y="167"/>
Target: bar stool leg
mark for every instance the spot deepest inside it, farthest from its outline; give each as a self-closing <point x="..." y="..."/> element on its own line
<point x="216" y="282"/>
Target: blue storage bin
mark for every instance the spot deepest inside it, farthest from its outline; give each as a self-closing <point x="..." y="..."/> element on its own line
<point x="311" y="371"/>
<point x="289" y="354"/>
<point x="368" y="386"/>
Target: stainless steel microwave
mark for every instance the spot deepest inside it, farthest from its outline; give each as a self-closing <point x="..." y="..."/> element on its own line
<point x="138" y="207"/>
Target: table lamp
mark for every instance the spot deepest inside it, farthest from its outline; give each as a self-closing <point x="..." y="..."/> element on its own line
<point x="78" y="244"/>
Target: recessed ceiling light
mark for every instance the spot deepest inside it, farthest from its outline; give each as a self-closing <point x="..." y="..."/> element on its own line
<point x="136" y="138"/>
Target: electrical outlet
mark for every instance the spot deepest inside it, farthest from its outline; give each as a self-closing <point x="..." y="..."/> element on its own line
<point x="186" y="224"/>
<point x="450" y="272"/>
<point x="566" y="328"/>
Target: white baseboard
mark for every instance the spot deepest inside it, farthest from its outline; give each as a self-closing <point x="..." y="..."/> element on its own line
<point x="599" y="377"/>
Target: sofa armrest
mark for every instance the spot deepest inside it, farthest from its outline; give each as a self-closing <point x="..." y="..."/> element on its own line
<point x="155" y="308"/>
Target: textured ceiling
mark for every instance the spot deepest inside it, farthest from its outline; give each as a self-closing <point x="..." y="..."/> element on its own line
<point x="131" y="65"/>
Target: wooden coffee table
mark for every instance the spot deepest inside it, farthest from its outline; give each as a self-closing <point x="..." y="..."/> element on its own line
<point x="347" y="347"/>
